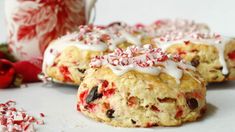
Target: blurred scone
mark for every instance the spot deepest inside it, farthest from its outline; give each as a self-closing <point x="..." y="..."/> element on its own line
<point x="141" y="87"/>
<point x="211" y="54"/>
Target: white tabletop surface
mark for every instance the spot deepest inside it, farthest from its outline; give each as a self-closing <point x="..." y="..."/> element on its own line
<point x="58" y="103"/>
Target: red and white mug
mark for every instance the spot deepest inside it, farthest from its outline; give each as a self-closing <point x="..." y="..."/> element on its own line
<point x="33" y="24"/>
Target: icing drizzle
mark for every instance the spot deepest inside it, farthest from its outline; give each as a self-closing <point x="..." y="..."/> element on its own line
<point x="147" y="60"/>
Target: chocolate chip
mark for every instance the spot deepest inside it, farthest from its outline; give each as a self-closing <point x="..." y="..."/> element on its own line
<point x="93" y="95"/>
<point x="133" y="121"/>
<point x="192" y="103"/>
<point x="82" y="70"/>
<point x="109" y="113"/>
<point x="195" y="61"/>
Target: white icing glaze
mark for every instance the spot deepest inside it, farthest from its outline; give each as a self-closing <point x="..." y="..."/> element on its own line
<point x="121" y="33"/>
<point x="146" y="60"/>
<point x="172" y="69"/>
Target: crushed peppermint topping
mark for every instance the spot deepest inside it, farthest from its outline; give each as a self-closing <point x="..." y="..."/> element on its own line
<point x="14" y="120"/>
<point x="144" y="59"/>
<point x="91" y="34"/>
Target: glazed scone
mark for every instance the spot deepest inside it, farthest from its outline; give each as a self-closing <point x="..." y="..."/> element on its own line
<point x="141" y="87"/>
<point x="67" y="58"/>
<point x="209" y="53"/>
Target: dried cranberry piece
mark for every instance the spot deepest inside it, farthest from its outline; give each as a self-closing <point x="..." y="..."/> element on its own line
<point x="93" y="95"/>
<point x="192" y="103"/>
<point x="109" y="113"/>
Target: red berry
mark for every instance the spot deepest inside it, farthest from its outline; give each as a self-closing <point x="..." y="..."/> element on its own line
<point x="7" y="73"/>
<point x="28" y="71"/>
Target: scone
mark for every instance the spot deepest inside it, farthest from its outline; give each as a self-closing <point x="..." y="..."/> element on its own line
<point x="141" y="87"/>
<point x="67" y="58"/>
<point x="211" y="54"/>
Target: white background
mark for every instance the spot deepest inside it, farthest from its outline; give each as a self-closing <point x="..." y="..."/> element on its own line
<point x="219" y="14"/>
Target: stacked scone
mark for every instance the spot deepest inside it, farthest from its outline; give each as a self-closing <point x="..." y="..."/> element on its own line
<point x="142" y="75"/>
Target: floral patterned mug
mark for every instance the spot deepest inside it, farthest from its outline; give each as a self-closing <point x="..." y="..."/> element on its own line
<point x="33" y="24"/>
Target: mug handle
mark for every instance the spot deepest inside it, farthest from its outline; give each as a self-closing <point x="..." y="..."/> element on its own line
<point x="89" y="7"/>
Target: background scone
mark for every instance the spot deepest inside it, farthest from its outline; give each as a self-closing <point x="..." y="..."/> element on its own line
<point x="141" y="87"/>
<point x="211" y="54"/>
<point x="67" y="58"/>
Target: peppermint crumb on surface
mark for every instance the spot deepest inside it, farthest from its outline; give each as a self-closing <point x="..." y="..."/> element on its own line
<point x="14" y="119"/>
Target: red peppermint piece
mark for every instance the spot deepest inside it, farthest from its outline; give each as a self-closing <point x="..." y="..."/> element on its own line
<point x="108" y="92"/>
<point x="28" y="71"/>
<point x="105" y="84"/>
<point x="7" y="73"/>
<point x="82" y="97"/>
<point x="65" y="71"/>
<point x="91" y="107"/>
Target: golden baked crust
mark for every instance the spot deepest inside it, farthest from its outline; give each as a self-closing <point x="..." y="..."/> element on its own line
<point x="137" y="99"/>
